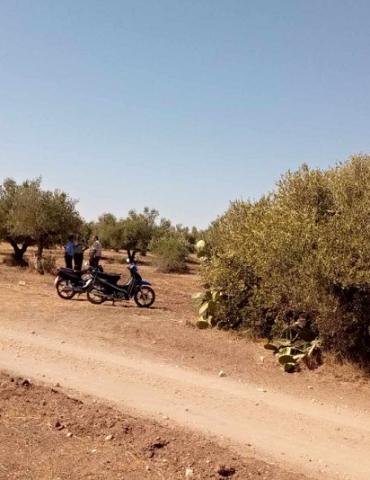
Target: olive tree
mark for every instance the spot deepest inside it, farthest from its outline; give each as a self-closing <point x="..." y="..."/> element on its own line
<point x="137" y="231"/>
<point x="32" y="216"/>
<point x="10" y="194"/>
<point x="109" y="229"/>
<point x="133" y="233"/>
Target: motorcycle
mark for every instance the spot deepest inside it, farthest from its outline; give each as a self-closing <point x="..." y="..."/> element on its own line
<point x="70" y="282"/>
<point x="105" y="287"/>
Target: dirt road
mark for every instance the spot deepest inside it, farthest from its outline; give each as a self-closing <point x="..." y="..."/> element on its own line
<point x="312" y="438"/>
<point x="153" y="364"/>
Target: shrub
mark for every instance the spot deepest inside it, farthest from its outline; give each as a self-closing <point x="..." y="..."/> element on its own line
<point x="49" y="263"/>
<point x="302" y="250"/>
<point x="171" y="253"/>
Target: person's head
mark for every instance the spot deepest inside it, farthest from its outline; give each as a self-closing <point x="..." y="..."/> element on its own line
<point x="71" y="238"/>
<point x="95" y="238"/>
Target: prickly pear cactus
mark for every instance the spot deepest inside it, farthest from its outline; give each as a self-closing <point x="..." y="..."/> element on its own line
<point x="290" y="353"/>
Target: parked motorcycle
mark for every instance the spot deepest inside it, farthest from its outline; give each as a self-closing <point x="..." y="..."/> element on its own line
<point x="70" y="282"/>
<point x="106" y="287"/>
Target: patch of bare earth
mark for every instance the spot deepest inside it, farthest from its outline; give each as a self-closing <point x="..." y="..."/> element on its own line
<point x="45" y="434"/>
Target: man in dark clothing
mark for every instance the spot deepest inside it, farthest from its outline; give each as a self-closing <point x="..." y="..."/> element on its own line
<point x="69" y="251"/>
<point x="80" y="247"/>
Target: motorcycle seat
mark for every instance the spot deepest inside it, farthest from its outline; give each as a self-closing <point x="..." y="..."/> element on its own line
<point x="110" y="277"/>
<point x="71" y="271"/>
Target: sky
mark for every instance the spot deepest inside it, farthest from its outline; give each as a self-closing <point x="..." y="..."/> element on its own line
<point x="180" y="105"/>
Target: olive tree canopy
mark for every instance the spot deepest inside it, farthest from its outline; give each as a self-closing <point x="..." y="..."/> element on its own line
<point x="30" y="215"/>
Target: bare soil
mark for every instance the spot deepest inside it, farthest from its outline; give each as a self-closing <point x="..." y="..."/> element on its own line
<point x="154" y="373"/>
<point x="46" y="434"/>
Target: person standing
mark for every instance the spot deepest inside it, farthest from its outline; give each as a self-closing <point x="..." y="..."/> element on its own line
<point x="80" y="247"/>
<point x="69" y="251"/>
<point x="95" y="252"/>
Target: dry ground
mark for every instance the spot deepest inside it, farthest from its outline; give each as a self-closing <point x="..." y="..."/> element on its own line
<point x="46" y="434"/>
<point x="153" y="364"/>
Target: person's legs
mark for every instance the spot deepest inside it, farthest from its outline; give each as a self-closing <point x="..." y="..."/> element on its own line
<point x="69" y="261"/>
<point x="95" y="261"/>
<point x="78" y="257"/>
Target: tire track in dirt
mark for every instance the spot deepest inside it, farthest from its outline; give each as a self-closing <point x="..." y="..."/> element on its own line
<point x="315" y="439"/>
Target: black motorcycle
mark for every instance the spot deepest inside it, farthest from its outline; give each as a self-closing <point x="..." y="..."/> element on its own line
<point x="70" y="282"/>
<point x="105" y="287"/>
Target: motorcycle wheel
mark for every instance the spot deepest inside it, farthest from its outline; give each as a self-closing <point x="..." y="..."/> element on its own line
<point x="144" y="297"/>
<point x="93" y="297"/>
<point x="61" y="286"/>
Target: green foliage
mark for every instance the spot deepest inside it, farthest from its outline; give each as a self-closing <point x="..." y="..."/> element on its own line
<point x="142" y="232"/>
<point x="302" y="346"/>
<point x="138" y="230"/>
<point x="87" y="230"/>
<point x="171" y="253"/>
<point x="30" y="215"/>
<point x="165" y="229"/>
<point x="49" y="263"/>
<point x="190" y="237"/>
<point x="210" y="304"/>
<point x="10" y="197"/>
<point x="109" y="231"/>
<point x="33" y="216"/>
<point x="133" y="233"/>
<point x="302" y="250"/>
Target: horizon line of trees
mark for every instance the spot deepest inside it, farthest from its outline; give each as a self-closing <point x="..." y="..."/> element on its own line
<point x="32" y="216"/>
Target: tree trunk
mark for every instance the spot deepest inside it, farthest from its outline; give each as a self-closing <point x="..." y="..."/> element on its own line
<point x="38" y="256"/>
<point x="18" y="252"/>
<point x="131" y="255"/>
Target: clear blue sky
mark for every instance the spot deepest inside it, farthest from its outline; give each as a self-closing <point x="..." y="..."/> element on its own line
<point x="182" y="105"/>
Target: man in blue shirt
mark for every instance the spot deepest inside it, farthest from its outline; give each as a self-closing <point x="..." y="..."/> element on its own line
<point x="69" y="251"/>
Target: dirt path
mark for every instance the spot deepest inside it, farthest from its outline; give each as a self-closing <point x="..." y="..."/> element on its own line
<point x="46" y="434"/>
<point x="316" y="439"/>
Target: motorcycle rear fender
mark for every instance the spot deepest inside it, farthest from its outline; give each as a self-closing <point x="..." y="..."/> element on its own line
<point x="143" y="282"/>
